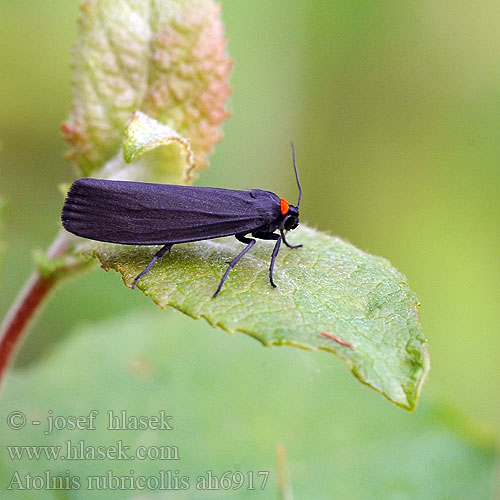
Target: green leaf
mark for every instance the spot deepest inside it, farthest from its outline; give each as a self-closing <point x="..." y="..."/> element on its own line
<point x="170" y="157"/>
<point x="328" y="294"/>
<point x="152" y="152"/>
<point x="231" y="403"/>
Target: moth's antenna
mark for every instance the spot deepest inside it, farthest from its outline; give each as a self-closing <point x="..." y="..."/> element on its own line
<point x="296" y="173"/>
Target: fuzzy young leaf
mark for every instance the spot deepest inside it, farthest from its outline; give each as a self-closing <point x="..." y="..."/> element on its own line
<point x="329" y="296"/>
<point x="164" y="57"/>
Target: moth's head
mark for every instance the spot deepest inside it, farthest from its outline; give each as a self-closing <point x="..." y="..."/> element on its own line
<point x="291" y="220"/>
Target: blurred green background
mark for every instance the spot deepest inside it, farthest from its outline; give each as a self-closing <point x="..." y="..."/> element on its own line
<point x="395" y="112"/>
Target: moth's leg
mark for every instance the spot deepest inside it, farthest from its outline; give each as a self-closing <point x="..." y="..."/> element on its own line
<point x="278" y="238"/>
<point x="286" y="242"/>
<point x="276" y="249"/>
<point x="158" y="255"/>
<point x="250" y="243"/>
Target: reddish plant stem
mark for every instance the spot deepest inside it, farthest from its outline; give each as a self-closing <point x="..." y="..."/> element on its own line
<point x="26" y="306"/>
<point x="28" y="302"/>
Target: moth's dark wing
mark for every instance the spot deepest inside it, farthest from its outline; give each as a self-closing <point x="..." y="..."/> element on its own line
<point x="139" y="213"/>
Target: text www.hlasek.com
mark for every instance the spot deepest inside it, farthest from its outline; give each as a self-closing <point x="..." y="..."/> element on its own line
<point x="82" y="451"/>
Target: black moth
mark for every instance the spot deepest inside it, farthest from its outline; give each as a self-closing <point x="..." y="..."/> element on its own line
<point x="141" y="213"/>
